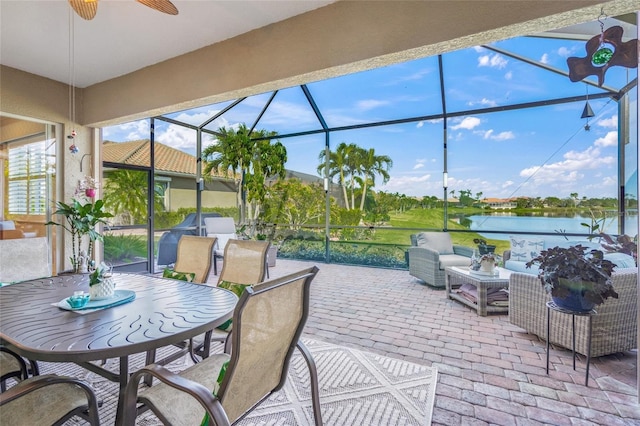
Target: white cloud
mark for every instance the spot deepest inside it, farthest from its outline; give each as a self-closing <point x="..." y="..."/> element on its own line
<point x="419" y="163"/>
<point x="566" y="52"/>
<point x="368" y="104"/>
<point x="545" y="58"/>
<point x="569" y="170"/>
<point x="483" y="102"/>
<point x="507" y="184"/>
<point x="493" y="61"/>
<point x="609" y="122"/>
<point x="610" y="139"/>
<point x="418" y="166"/>
<point x="508" y="75"/>
<point x="414" y="186"/>
<point x="467" y="123"/>
<point x="420" y="124"/>
<point x="503" y="136"/>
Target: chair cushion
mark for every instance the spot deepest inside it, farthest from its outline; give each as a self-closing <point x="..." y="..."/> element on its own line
<point x="438" y="241"/>
<point x="453" y="260"/>
<point x="182" y="276"/>
<point x="524" y="249"/>
<point x="237" y="289"/>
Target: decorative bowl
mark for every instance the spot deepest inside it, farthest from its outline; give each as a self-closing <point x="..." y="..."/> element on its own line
<point x="78" y="300"/>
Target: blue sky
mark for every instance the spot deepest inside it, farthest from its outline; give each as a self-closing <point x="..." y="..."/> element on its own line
<point x="532" y="152"/>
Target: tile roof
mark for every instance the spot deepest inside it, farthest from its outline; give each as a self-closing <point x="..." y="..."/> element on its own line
<point x="138" y="153"/>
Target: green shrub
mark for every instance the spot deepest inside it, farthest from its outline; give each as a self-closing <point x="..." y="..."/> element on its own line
<point x="385" y="256"/>
<point x="124" y="248"/>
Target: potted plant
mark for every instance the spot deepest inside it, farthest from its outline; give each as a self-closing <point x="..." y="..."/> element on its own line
<point x="483" y="247"/>
<point x="577" y="277"/>
<point x="101" y="285"/>
<point x="621" y="244"/>
<point x="81" y="219"/>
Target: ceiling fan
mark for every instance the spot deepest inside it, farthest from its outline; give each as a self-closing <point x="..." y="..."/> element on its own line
<point x="87" y="8"/>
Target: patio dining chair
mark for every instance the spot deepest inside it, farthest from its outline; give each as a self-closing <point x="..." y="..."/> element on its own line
<point x="11" y="366"/>
<point x="224" y="229"/>
<point x="194" y="256"/>
<point x="268" y="322"/>
<point x="48" y="400"/>
<point x="245" y="265"/>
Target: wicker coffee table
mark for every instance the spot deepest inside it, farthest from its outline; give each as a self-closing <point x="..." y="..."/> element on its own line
<point x="457" y="276"/>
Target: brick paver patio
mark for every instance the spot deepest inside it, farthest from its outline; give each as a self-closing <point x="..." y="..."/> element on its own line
<point x="490" y="372"/>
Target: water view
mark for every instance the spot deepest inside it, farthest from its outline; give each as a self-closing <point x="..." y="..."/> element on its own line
<point x="571" y="225"/>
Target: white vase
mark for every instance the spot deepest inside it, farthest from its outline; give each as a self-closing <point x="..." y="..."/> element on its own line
<point x="487" y="265"/>
<point x="104" y="290"/>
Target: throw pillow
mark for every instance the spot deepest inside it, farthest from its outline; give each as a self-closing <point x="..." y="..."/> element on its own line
<point x="525" y="249"/>
<point x="237" y="289"/>
<point x="438" y="241"/>
<point x="206" y="421"/>
<point x="182" y="276"/>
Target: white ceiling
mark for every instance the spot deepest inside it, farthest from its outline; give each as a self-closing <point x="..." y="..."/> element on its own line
<point x="125" y="35"/>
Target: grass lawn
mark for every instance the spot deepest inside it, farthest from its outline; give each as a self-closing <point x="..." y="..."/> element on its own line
<point x="428" y="220"/>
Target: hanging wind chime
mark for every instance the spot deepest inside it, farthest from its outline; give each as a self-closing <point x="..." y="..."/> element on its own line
<point x="72" y="89"/>
<point x="587" y="112"/>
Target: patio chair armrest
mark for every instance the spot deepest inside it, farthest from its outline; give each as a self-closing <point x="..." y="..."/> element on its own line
<point x="506" y="255"/>
<point x="463" y="250"/>
<point x="423" y="253"/>
<point x="199" y="392"/>
<point x="39" y="382"/>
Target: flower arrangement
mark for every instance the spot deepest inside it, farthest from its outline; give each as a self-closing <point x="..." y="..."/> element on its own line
<point x="87" y="187"/>
<point x="483" y="247"/>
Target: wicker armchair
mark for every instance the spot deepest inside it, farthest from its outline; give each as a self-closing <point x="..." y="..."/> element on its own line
<point x="268" y="322"/>
<point x="48" y="400"/>
<point x="431" y="252"/>
<point x="614" y="327"/>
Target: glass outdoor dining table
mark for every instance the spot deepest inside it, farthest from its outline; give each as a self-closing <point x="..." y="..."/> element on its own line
<point x="163" y="312"/>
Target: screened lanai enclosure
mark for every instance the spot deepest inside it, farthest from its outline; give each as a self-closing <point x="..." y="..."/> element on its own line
<point x="487" y="142"/>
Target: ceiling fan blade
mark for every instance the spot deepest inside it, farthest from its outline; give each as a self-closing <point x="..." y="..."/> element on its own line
<point x="161" y="5"/>
<point x="85" y="8"/>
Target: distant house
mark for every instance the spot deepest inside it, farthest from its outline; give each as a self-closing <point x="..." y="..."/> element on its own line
<point x="175" y="172"/>
<point x="500" y="203"/>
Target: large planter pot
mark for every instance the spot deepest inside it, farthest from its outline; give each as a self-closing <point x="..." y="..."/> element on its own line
<point x="574" y="299"/>
<point x="486" y="249"/>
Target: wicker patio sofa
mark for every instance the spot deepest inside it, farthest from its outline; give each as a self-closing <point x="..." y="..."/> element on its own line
<point x="431" y="252"/>
<point x="614" y="327"/>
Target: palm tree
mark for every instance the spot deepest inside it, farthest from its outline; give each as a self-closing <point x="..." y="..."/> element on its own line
<point x="370" y="165"/>
<point x="230" y="153"/>
<point x="125" y="192"/>
<point x="341" y="164"/>
<point x="252" y="159"/>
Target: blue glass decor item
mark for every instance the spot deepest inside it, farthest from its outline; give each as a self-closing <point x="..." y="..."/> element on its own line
<point x="78" y="300"/>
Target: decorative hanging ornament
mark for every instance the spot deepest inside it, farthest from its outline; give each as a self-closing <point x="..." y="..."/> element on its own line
<point x="604" y="51"/>
<point x="73" y="148"/>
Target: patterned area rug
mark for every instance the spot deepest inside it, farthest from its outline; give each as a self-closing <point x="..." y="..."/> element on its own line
<point x="356" y="388"/>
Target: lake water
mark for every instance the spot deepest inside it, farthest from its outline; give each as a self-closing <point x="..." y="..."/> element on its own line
<point x="503" y="222"/>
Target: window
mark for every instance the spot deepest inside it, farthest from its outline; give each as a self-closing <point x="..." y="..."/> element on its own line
<point x="27" y="180"/>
